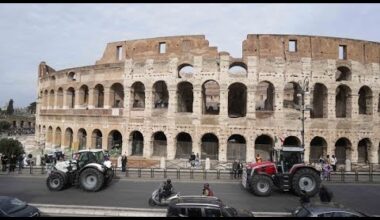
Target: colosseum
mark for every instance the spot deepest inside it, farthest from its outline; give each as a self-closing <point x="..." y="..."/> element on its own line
<point x="170" y="96"/>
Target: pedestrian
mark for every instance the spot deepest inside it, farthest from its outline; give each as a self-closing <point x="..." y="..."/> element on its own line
<point x="207" y="190"/>
<point x="48" y="164"/>
<point x="235" y="168"/>
<point x="20" y="162"/>
<point x="326" y="169"/>
<point x="258" y="158"/>
<point x="123" y="163"/>
<point x="197" y="160"/>
<point x="4" y="161"/>
<point x="192" y="159"/>
<point x="333" y="162"/>
<point x="12" y="164"/>
<point x="240" y="169"/>
<point x="325" y="195"/>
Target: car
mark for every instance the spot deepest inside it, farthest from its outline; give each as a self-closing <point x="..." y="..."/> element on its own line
<point x="14" y="207"/>
<point x="325" y="210"/>
<point x="202" y="206"/>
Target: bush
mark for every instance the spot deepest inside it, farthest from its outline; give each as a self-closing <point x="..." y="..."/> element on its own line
<point x="4" y="125"/>
<point x="9" y="146"/>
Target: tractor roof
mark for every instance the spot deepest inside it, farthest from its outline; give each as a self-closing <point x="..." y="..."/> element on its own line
<point x="292" y="148"/>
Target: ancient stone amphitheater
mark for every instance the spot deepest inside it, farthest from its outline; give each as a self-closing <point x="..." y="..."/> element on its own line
<point x="169" y="96"/>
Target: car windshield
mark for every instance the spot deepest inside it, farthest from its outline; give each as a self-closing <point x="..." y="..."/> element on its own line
<point x="12" y="205"/>
<point x="301" y="212"/>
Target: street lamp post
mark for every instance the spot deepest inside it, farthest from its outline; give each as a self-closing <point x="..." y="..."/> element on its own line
<point x="304" y="90"/>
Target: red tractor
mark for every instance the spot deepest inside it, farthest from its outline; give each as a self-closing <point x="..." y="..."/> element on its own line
<point x="286" y="170"/>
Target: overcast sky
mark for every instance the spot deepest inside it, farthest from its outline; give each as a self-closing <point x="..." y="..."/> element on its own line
<point x="73" y="35"/>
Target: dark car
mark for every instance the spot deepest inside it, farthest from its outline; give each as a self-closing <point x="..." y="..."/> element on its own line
<point x="202" y="206"/>
<point x="13" y="207"/>
<point x="326" y="210"/>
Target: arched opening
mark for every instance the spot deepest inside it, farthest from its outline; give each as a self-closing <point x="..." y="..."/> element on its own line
<point x="210" y="147"/>
<point x="14" y="124"/>
<point x="70" y="97"/>
<point x="159" y="144"/>
<point x="21" y="124"/>
<point x="265" y="97"/>
<point x="292" y="141"/>
<point x="137" y="141"/>
<point x="319" y="102"/>
<point x="115" y="142"/>
<point x="99" y="96"/>
<point x="185" y="97"/>
<point x="343" y="74"/>
<point x="160" y="95"/>
<point x="318" y="147"/>
<point x="343" y="102"/>
<point x="210" y="98"/>
<point x="364" y="146"/>
<point x="117" y="95"/>
<point x="237" y="100"/>
<point x="71" y="76"/>
<point x="49" y="137"/>
<point x="82" y="139"/>
<point x="69" y="138"/>
<point x="185" y="70"/>
<point x="29" y="124"/>
<point x="264" y="146"/>
<point x="51" y="99"/>
<point x="184" y="146"/>
<point x="83" y="96"/>
<point x="138" y="95"/>
<point x="236" y="148"/>
<point x="97" y="138"/>
<point x="342" y="150"/>
<point x="58" y="138"/>
<point x="60" y="98"/>
<point x="238" y="68"/>
<point x="365" y="100"/>
<point x="291" y="97"/>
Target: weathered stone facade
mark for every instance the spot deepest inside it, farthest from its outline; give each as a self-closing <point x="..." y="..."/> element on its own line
<point x="150" y="96"/>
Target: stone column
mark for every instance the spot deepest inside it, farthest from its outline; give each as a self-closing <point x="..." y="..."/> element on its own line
<point x="223" y="111"/>
<point x="250" y="154"/>
<point x="171" y="148"/>
<point x="197" y="103"/>
<point x="354" y="151"/>
<point x="148" y="103"/>
<point x="354" y="104"/>
<point x="65" y="103"/>
<point x="172" y="108"/>
<point x="91" y="98"/>
<point x="77" y="99"/>
<point x="107" y="91"/>
<point x="331" y="103"/>
<point x="147" y="153"/>
<point x="55" y="105"/>
<point x="105" y="140"/>
<point x="222" y="149"/>
<point x="127" y="99"/>
<point x="251" y="103"/>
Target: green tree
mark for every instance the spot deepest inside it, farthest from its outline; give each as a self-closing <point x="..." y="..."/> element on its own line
<point x="10" y="109"/>
<point x="4" y="125"/>
<point x="32" y="108"/>
<point x="9" y="146"/>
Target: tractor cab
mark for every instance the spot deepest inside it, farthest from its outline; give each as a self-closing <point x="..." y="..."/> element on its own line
<point x="287" y="156"/>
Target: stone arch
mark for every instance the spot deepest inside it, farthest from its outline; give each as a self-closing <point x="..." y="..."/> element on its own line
<point x="69" y="138"/>
<point x="115" y="141"/>
<point x="237" y="100"/>
<point x="320" y="101"/>
<point x="343" y="73"/>
<point x="83" y="96"/>
<point x="160" y="94"/>
<point x="364" y="148"/>
<point x="292" y="98"/>
<point x="292" y="141"/>
<point x="210" y="146"/>
<point x="264" y="145"/>
<point x="210" y="97"/>
<point x="60" y="98"/>
<point x="185" y="97"/>
<point x="51" y="98"/>
<point x="58" y="137"/>
<point x="97" y="138"/>
<point x="21" y="124"/>
<point x="70" y="97"/>
<point x="138" y="95"/>
<point x="238" y="68"/>
<point x="184" y="145"/>
<point x="49" y="136"/>
<point x="265" y="96"/>
<point x="82" y="139"/>
<point x="185" y="70"/>
<point x="343" y="101"/>
<point x="159" y="144"/>
<point x="116" y="98"/>
<point x="343" y="148"/>
<point x="318" y="147"/>
<point x="236" y="147"/>
<point x="136" y="140"/>
<point x="99" y="96"/>
<point x="71" y="76"/>
<point x="365" y="100"/>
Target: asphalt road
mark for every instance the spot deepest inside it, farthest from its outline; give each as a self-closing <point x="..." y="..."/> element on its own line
<point x="135" y="194"/>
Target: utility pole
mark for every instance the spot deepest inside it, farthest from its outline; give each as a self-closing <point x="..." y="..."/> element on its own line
<point x="304" y="90"/>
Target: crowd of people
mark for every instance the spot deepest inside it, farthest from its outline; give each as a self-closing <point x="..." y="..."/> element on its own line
<point x="327" y="165"/>
<point x="10" y="163"/>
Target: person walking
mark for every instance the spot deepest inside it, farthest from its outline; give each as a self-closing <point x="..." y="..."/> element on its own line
<point x="325" y="195"/>
<point x="197" y="160"/>
<point x="240" y="169"/>
<point x="258" y="158"/>
<point x="13" y="162"/>
<point x="333" y="162"/>
<point x="207" y="190"/>
<point x="192" y="159"/>
<point x="235" y="168"/>
<point x="123" y="163"/>
<point x="4" y="161"/>
<point x="20" y="162"/>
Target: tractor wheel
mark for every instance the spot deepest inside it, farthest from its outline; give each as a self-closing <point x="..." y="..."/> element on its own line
<point x="262" y="185"/>
<point x="55" y="182"/>
<point x="91" y="180"/>
<point x="306" y="179"/>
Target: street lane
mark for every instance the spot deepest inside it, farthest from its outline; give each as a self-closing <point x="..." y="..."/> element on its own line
<point x="135" y="194"/>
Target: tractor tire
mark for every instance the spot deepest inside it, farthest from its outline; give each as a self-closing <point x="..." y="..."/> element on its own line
<point x="91" y="180"/>
<point x="261" y="185"/>
<point x="110" y="176"/>
<point x="55" y="182"/>
<point x="306" y="179"/>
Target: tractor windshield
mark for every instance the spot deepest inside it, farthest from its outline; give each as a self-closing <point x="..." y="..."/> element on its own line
<point x="289" y="158"/>
<point x="99" y="156"/>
